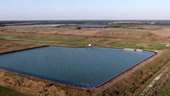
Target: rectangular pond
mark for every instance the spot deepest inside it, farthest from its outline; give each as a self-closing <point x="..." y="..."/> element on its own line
<point x="80" y="67"/>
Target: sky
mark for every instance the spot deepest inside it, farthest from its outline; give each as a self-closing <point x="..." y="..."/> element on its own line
<point x="84" y="9"/>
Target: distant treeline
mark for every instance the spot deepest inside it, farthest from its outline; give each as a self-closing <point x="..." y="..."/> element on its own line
<point x="2" y="25"/>
<point x="87" y="22"/>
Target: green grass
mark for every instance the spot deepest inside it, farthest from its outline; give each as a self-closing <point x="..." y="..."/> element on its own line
<point x="9" y="92"/>
<point x="83" y="42"/>
<point x="165" y="91"/>
<point x="138" y="45"/>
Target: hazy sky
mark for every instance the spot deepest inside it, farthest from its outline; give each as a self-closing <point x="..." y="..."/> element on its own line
<point x="84" y="9"/>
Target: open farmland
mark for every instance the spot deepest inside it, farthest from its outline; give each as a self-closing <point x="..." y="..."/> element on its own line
<point x="133" y="82"/>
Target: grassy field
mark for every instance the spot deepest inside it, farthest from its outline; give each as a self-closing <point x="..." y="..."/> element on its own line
<point x="144" y="38"/>
<point x="165" y="89"/>
<point x="4" y="91"/>
<point x="71" y="41"/>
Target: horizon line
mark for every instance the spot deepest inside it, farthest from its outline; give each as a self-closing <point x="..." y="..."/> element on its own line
<point x="90" y="20"/>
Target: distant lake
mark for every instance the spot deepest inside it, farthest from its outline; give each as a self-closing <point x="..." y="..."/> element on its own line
<point x="81" y="67"/>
